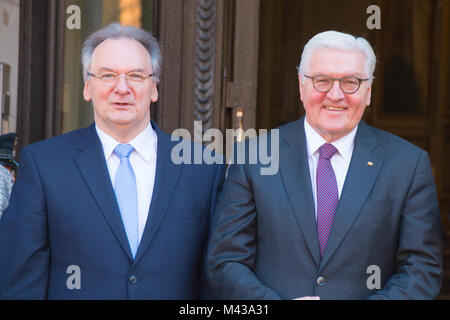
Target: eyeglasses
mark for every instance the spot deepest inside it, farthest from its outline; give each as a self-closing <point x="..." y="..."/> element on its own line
<point x="324" y="83"/>
<point x="111" y="78"/>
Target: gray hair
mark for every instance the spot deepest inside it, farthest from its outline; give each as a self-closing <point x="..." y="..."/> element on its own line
<point x="117" y="31"/>
<point x="341" y="41"/>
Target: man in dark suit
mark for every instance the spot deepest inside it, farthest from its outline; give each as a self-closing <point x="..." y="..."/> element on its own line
<point x="103" y="212"/>
<point x="351" y="214"/>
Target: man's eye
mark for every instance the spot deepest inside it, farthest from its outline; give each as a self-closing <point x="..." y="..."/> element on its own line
<point x="322" y="80"/>
<point x="108" y="76"/>
<point x="136" y="76"/>
<point x="351" y="82"/>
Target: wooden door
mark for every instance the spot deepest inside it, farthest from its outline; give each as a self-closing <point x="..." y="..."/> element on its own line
<point x="240" y="64"/>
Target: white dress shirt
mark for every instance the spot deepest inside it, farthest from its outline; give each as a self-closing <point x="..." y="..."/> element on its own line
<point x="143" y="161"/>
<point x="340" y="160"/>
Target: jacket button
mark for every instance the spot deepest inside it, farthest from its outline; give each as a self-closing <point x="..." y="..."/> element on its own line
<point x="133" y="279"/>
<point x="320" y="281"/>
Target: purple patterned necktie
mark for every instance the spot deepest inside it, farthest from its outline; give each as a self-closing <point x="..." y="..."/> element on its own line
<point x="327" y="194"/>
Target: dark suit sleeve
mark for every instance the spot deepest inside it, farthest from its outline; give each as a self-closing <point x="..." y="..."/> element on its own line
<point x="232" y="247"/>
<point x="205" y="290"/>
<point x="24" y="252"/>
<point x="419" y="254"/>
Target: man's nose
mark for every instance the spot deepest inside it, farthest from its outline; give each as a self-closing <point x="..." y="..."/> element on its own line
<point x="335" y="93"/>
<point x="122" y="86"/>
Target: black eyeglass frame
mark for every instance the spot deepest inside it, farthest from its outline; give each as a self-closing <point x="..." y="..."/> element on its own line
<point x="337" y="79"/>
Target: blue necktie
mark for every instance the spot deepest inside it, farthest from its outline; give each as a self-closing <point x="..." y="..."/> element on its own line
<point x="126" y="194"/>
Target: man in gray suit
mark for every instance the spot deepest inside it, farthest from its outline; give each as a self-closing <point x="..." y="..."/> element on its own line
<point x="353" y="212"/>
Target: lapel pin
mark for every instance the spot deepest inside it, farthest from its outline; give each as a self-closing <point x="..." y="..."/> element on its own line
<point x="370" y="164"/>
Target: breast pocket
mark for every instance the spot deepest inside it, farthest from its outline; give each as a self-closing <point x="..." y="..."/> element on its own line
<point x="376" y="210"/>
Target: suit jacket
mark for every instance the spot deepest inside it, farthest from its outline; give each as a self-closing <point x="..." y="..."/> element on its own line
<point x="63" y="212"/>
<point x="264" y="242"/>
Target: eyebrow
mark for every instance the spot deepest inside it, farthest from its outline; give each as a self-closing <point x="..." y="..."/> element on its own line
<point x="356" y="74"/>
<point x="111" y="70"/>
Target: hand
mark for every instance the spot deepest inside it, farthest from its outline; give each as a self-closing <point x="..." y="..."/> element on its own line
<point x="308" y="298"/>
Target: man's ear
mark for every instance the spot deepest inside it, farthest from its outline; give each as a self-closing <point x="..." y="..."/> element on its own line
<point x="369" y="94"/>
<point x="87" y="91"/>
<point x="154" y="94"/>
<point x="300" y="86"/>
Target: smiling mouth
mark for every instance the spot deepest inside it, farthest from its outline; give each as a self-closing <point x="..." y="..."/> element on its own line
<point x="335" y="108"/>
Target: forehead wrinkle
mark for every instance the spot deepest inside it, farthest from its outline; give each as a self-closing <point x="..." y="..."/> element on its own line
<point x="354" y="74"/>
<point x="115" y="56"/>
<point x="333" y="66"/>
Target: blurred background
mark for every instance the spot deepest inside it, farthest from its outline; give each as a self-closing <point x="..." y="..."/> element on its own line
<point x="231" y="64"/>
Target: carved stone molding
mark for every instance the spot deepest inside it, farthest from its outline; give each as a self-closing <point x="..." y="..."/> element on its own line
<point x="205" y="46"/>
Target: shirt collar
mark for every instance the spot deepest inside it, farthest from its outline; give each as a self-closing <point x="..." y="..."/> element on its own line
<point x="344" y="145"/>
<point x="145" y="143"/>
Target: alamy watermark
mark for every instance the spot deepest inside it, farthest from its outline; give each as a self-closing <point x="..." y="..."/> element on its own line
<point x="73" y="21"/>
<point x="374" y="20"/>
<point x="374" y="280"/>
<point x="74" y="280"/>
<point x="262" y="149"/>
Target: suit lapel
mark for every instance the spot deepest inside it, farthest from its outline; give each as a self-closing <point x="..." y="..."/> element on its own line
<point x="166" y="179"/>
<point x="358" y="184"/>
<point x="92" y="165"/>
<point x="294" y="170"/>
